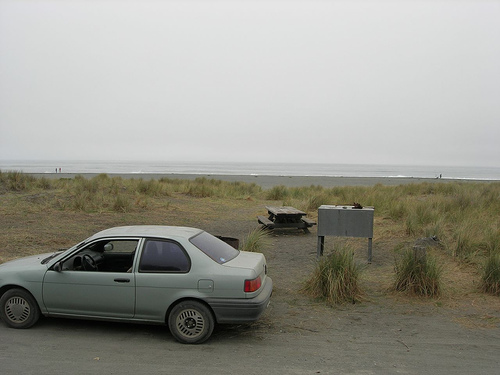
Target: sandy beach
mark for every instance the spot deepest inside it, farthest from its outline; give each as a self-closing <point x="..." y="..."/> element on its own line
<point x="267" y="182"/>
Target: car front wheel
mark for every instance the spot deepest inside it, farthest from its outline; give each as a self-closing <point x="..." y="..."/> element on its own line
<point x="18" y="309"/>
<point x="191" y="322"/>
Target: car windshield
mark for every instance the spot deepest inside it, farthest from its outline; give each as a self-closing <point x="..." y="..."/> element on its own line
<point x="52" y="256"/>
<point x="215" y="248"/>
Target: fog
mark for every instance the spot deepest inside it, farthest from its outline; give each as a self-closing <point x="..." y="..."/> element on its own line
<point x="383" y="82"/>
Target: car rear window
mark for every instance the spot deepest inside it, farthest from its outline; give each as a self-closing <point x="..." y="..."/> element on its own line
<point x="215" y="248"/>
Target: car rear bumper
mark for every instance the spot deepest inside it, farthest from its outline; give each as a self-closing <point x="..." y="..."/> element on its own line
<point x="239" y="310"/>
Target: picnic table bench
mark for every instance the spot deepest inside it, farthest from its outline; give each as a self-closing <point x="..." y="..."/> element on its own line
<point x="285" y="217"/>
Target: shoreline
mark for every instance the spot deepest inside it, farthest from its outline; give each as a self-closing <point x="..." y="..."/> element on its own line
<point x="268" y="182"/>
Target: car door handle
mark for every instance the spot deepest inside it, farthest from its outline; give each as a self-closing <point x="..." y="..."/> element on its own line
<point x="122" y="280"/>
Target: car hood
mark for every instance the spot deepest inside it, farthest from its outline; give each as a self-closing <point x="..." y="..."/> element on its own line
<point x="27" y="262"/>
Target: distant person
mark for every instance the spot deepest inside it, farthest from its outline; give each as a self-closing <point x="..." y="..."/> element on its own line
<point x="56" y="170"/>
<point x="59" y="170"/>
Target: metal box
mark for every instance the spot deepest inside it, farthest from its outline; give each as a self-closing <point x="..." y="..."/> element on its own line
<point x="345" y="221"/>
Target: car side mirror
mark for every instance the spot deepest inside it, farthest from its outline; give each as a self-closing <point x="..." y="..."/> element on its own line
<point x="57" y="267"/>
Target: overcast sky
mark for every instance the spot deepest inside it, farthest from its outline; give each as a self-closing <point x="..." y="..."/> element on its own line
<point x="396" y="82"/>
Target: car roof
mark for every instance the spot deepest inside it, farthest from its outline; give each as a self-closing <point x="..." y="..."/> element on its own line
<point x="148" y="231"/>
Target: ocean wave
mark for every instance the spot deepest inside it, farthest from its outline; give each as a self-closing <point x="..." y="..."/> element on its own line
<point x="256" y="169"/>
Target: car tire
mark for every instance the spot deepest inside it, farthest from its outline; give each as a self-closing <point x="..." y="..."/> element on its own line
<point x="191" y="322"/>
<point x="18" y="309"/>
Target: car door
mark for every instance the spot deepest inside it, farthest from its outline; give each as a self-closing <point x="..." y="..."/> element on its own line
<point x="162" y="275"/>
<point x="108" y="292"/>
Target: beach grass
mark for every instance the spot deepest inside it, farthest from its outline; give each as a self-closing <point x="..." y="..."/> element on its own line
<point x="464" y="216"/>
<point x="257" y="240"/>
<point x="336" y="278"/>
<point x="490" y="282"/>
<point x="418" y="275"/>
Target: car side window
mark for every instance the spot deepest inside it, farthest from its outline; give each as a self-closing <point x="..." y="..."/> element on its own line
<point x="115" y="255"/>
<point x="163" y="256"/>
<point x="120" y="246"/>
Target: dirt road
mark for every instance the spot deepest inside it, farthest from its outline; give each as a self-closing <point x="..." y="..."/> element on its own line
<point x="350" y="341"/>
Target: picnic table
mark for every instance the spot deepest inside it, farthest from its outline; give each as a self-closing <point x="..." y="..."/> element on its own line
<point x="285" y="217"/>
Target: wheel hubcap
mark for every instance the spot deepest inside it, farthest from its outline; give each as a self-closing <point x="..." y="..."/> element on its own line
<point x="190" y="323"/>
<point x="17" y="309"/>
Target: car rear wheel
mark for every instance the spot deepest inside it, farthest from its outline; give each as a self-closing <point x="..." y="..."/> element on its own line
<point x="191" y="322"/>
<point x="18" y="309"/>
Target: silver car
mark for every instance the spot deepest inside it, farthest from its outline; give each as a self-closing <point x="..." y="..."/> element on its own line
<point x="183" y="277"/>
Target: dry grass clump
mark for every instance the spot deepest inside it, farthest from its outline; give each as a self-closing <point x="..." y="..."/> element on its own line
<point x="19" y="181"/>
<point x="490" y="281"/>
<point x="256" y="241"/>
<point x="336" y="278"/>
<point x="203" y="187"/>
<point x="152" y="188"/>
<point x="420" y="276"/>
<point x="491" y="275"/>
<point x="277" y="193"/>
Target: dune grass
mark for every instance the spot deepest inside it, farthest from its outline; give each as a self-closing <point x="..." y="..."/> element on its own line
<point x="103" y="193"/>
<point x="257" y="240"/>
<point x="464" y="215"/>
<point x="490" y="282"/>
<point x="335" y="278"/>
<point x="421" y="276"/>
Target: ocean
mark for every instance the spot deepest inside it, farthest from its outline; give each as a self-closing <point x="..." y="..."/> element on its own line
<point x="253" y="169"/>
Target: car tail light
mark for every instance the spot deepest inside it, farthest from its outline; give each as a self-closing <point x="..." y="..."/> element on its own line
<point x="252" y="285"/>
